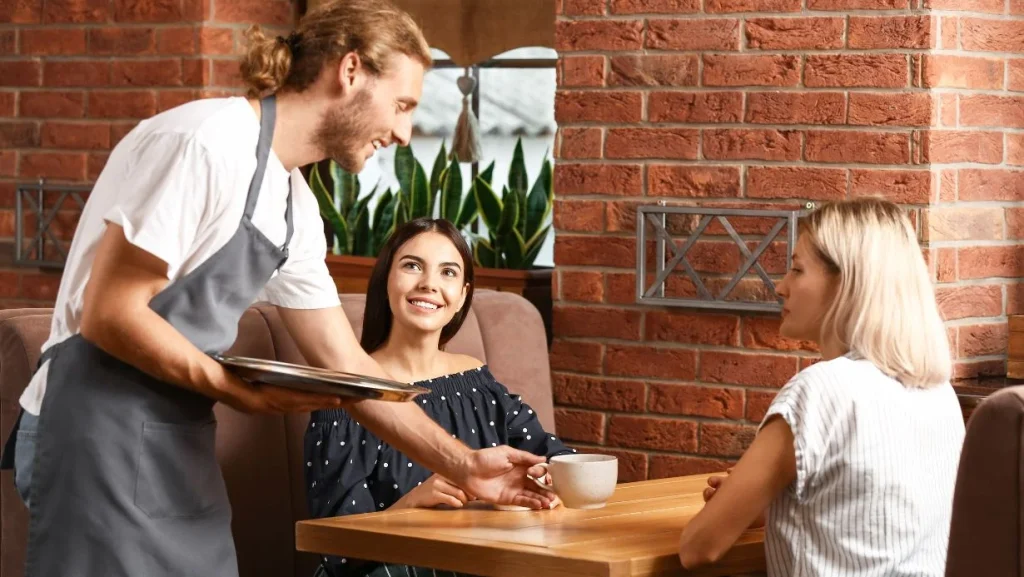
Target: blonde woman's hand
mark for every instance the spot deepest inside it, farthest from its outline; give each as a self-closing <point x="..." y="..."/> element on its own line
<point x="433" y="492"/>
<point x="715" y="482"/>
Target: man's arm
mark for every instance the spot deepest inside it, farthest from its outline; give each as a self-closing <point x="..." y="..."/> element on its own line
<point x="497" y="474"/>
<point x="325" y="339"/>
<point x="116" y="317"/>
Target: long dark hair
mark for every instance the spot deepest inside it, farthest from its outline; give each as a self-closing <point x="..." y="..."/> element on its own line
<point x="378" y="318"/>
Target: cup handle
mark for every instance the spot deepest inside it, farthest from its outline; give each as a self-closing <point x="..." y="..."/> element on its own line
<point x="540" y="483"/>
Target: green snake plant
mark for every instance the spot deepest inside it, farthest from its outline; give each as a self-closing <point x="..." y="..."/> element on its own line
<point x="517" y="220"/>
<point x="360" y="231"/>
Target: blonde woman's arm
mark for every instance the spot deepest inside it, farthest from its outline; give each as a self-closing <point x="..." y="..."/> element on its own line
<point x="764" y="471"/>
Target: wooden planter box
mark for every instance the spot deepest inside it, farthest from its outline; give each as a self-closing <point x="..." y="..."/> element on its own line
<point x="351" y="274"/>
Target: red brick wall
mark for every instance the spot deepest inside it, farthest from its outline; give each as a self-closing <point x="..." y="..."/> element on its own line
<point x="75" y="77"/>
<point x="767" y="103"/>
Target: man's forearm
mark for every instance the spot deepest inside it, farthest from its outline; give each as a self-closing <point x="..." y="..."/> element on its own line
<point x="403" y="425"/>
<point x="145" y="340"/>
<point x="326" y="340"/>
<point x="407" y="428"/>
<point x="116" y="317"/>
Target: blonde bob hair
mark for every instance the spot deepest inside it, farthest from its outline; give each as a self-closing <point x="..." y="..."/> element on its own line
<point x="885" y="309"/>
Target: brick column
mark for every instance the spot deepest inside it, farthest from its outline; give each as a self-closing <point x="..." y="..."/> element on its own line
<point x="767" y="103"/>
<point x="77" y="75"/>
<point x="977" y="148"/>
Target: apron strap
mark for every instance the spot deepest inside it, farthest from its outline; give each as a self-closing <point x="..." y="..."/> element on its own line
<point x="268" y="114"/>
<point x="288" y="218"/>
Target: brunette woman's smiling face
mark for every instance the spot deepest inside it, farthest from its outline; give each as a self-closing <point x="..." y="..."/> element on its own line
<point x="426" y="284"/>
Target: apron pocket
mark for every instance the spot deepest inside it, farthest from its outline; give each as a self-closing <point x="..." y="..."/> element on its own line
<point x="24" y="457"/>
<point x="178" y="473"/>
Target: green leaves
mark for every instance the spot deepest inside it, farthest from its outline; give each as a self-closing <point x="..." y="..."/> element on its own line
<point x="419" y="195"/>
<point x="378" y="215"/>
<point x="359" y="225"/>
<point x="361" y="234"/>
<point x="346" y="187"/>
<point x="385" y="219"/>
<point x="451" y="191"/>
<point x="405" y="167"/>
<point x="328" y="211"/>
<point x="533" y="247"/>
<point x="416" y="190"/>
<point x="517" y="179"/>
<point x="514" y="247"/>
<point x="437" y="175"/>
<point x="509" y="215"/>
<point x="488" y="173"/>
<point x="516" y="220"/>
<point x="401" y="214"/>
<point x="488" y="203"/>
<point x="484" y="254"/>
<point x="538" y="204"/>
<point x="469" y="211"/>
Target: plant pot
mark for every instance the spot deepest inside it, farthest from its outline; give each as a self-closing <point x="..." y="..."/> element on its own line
<point x="351" y="274"/>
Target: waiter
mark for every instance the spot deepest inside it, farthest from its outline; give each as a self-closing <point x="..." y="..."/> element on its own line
<point x="198" y="212"/>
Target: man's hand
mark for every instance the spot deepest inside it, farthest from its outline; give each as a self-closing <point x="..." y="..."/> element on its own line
<point x="263" y="398"/>
<point x="499" y="475"/>
<point x="116" y="317"/>
<point x="433" y="492"/>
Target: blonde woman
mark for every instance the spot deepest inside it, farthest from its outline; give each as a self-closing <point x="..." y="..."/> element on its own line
<point x="856" y="458"/>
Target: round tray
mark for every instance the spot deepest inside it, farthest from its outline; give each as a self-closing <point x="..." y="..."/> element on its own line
<point x="317" y="380"/>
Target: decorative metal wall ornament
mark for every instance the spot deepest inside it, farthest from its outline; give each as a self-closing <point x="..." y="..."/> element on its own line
<point x="31" y="199"/>
<point x="656" y="216"/>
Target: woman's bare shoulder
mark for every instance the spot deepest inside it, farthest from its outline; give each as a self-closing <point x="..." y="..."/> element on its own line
<point x="458" y="363"/>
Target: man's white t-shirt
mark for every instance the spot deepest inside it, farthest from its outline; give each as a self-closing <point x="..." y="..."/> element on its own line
<point x="177" y="185"/>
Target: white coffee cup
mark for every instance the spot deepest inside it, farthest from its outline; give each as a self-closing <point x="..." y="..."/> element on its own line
<point x="582" y="481"/>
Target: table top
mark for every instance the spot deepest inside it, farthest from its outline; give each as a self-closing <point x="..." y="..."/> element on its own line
<point x="636" y="534"/>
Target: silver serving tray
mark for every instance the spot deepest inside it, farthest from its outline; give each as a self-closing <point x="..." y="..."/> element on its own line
<point x="317" y="380"/>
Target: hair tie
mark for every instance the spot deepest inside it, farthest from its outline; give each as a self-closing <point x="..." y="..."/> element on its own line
<point x="291" y="41"/>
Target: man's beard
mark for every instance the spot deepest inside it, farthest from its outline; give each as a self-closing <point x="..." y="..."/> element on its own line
<point x="344" y="132"/>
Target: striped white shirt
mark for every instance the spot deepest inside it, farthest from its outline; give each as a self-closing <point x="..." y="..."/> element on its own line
<point x="876" y="465"/>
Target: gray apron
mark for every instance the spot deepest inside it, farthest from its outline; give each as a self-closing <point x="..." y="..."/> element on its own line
<point x="125" y="480"/>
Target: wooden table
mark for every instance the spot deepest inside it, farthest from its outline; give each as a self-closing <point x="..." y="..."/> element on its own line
<point x="637" y="533"/>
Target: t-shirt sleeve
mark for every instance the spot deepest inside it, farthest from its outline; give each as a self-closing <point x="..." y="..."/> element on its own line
<point x="304" y="281"/>
<point x="812" y="407"/>
<point x="166" y="189"/>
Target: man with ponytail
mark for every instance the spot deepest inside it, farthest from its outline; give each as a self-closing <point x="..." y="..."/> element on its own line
<point x="199" y="211"/>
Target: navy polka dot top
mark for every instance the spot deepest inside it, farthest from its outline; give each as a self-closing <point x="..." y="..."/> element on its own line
<point x="350" y="470"/>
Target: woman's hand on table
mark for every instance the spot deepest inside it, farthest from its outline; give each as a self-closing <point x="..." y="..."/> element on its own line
<point x="714" y="482"/>
<point x="433" y="492"/>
